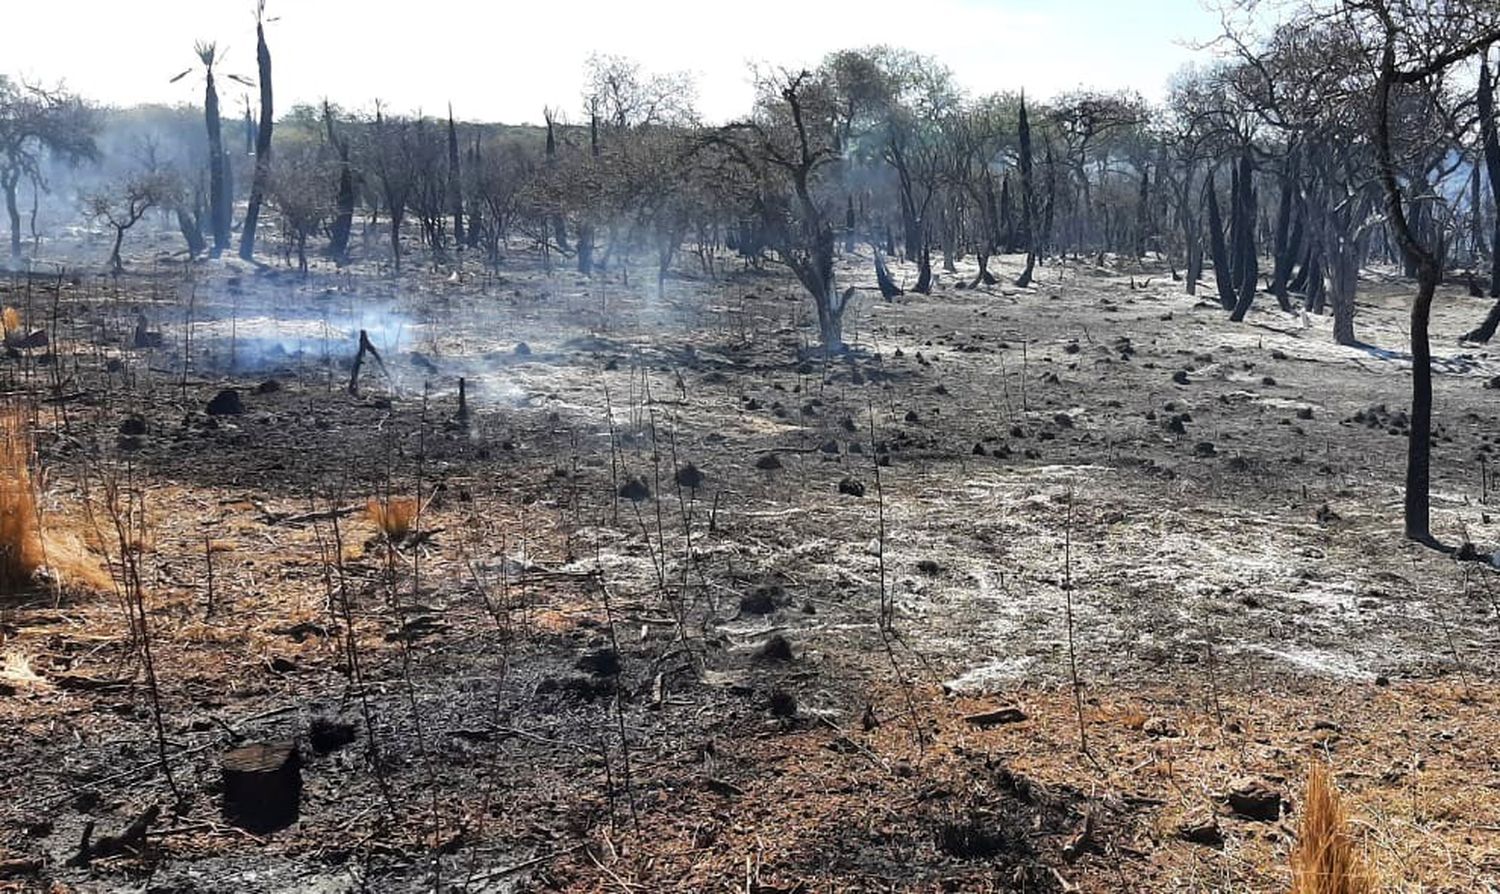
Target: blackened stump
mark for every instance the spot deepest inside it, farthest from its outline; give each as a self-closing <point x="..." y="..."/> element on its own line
<point x="262" y="785"/>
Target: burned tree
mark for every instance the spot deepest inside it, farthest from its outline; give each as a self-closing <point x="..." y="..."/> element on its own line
<point x="1028" y="201"/>
<point x="219" y="193"/>
<point x="262" y="136"/>
<point x="123" y="205"/>
<point x="784" y="153"/>
<point x="34" y="122"/>
<point x="343" y="211"/>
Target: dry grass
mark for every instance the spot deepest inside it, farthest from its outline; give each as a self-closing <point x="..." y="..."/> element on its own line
<point x="10" y="321"/>
<point x="1325" y="859"/>
<point x="21" y="550"/>
<point x="393" y="516"/>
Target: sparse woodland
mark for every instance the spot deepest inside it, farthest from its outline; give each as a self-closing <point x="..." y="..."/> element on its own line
<point x="897" y="487"/>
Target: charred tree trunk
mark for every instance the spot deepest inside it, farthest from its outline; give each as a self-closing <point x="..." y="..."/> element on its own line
<point x="11" y="177"/>
<point x="262" y="145"/>
<point x="1028" y="199"/>
<point x="218" y="198"/>
<point x="1217" y="250"/>
<point x="455" y="184"/>
<point x="849" y="226"/>
<point x="262" y="785"/>
<point x="923" y="285"/>
<point x="1488" y="129"/>
<point x="1143" y="213"/>
<point x="1287" y="240"/>
<point x="343" y="205"/>
<point x="888" y="287"/>
<point x="1486" y="330"/>
<point x="1247" y="268"/>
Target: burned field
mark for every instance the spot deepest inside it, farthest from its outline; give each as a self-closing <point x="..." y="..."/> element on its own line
<point x="674" y="601"/>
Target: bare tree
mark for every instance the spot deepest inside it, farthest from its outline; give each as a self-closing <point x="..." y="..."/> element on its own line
<point x="35" y="121"/>
<point x="122" y="205"/>
<point x="262" y="135"/>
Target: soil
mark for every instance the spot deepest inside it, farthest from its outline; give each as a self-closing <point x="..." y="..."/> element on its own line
<point x="1010" y="597"/>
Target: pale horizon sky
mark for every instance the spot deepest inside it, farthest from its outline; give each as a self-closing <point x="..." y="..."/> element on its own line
<point x="504" y="61"/>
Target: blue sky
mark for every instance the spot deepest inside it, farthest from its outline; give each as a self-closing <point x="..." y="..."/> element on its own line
<point x="504" y="60"/>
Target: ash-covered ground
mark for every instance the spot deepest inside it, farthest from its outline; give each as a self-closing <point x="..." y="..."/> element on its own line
<point x="689" y="605"/>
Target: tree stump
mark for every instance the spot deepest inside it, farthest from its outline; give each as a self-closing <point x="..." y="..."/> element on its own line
<point x="262" y="785"/>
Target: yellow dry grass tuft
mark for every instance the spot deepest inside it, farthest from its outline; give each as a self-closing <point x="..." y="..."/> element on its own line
<point x="10" y="320"/>
<point x="1325" y="859"/>
<point x="21" y="551"/>
<point x="393" y="516"/>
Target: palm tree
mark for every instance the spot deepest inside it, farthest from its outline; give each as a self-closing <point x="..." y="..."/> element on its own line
<point x="219" y="196"/>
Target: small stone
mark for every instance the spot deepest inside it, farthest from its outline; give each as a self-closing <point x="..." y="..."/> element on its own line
<point x="1255" y="799"/>
<point x="635" y="490"/>
<point x="1180" y="377"/>
<point x="1160" y="727"/>
<point x="325" y="734"/>
<point x="852" y="487"/>
<point x="782" y="704"/>
<point x="775" y="648"/>
<point x="768" y="463"/>
<point x="1201" y="828"/>
<point x="761" y="601"/>
<point x="690" y="477"/>
<point x="997" y="717"/>
<point x="226" y="403"/>
<point x="1304" y="412"/>
<point x="1204" y="448"/>
<point x="600" y="662"/>
<point x="523" y="349"/>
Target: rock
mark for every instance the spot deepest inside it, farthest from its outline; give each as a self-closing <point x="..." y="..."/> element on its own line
<point x="1493" y="384"/>
<point x="1180" y="377"/>
<point x="852" y="487"/>
<point x="997" y="717"/>
<point x="325" y="734"/>
<point x="635" y="490"/>
<point x="1304" y="412"/>
<point x="1176" y="424"/>
<point x="782" y="704"/>
<point x="979" y="450"/>
<point x="929" y="567"/>
<point x="269" y="386"/>
<point x="226" y="403"/>
<point x="829" y="446"/>
<point x="1204" y="448"/>
<point x="775" y="648"/>
<point x="600" y="662"/>
<point x="768" y="463"/>
<point x="911" y="416"/>
<point x="1201" y="828"/>
<point x="523" y="349"/>
<point x="1160" y="727"/>
<point x="1255" y="799"/>
<point x="689" y="477"/>
<point x="133" y="426"/>
<point x="762" y="600"/>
